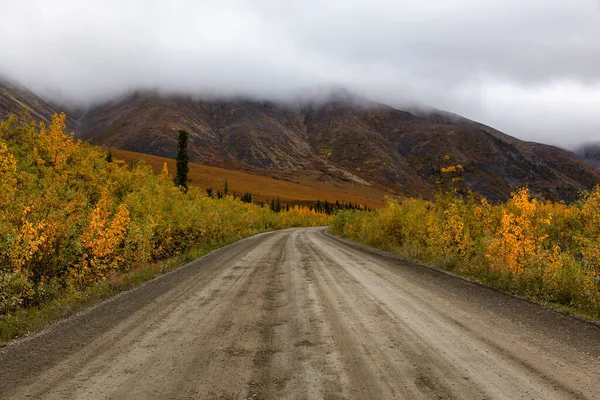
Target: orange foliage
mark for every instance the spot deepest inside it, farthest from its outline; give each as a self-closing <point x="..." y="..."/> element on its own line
<point x="69" y="218"/>
<point x="545" y="250"/>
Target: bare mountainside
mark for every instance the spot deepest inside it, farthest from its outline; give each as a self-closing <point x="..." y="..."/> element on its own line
<point x="16" y="99"/>
<point x="341" y="138"/>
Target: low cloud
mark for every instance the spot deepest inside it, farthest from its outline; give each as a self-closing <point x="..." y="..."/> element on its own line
<point x="531" y="69"/>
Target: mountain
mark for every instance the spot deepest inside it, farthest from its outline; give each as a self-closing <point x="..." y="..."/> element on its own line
<point x="333" y="139"/>
<point x="15" y="99"/>
<point x="341" y="138"/>
<point x="591" y="153"/>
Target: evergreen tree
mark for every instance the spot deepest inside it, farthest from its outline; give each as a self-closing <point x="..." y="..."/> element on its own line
<point x="181" y="179"/>
<point x="209" y="192"/>
<point x="246" y="197"/>
<point x="109" y="157"/>
<point x="226" y="188"/>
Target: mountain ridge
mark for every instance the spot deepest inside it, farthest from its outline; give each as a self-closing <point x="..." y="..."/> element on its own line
<point x="340" y="138"/>
<point x="17" y="99"/>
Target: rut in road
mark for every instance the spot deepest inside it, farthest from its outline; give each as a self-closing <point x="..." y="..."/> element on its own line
<point x="299" y="314"/>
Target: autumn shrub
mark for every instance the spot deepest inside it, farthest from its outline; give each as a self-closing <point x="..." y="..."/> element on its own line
<point x="544" y="250"/>
<point x="69" y="219"/>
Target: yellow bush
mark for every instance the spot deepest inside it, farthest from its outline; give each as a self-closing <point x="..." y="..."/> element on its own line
<point x="451" y="169"/>
<point x="102" y="240"/>
<point x="548" y="251"/>
<point x="69" y="218"/>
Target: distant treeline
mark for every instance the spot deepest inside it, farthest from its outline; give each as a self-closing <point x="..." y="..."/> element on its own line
<point x="276" y="204"/>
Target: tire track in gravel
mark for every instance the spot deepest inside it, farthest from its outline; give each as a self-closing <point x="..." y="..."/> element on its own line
<point x="300" y="314"/>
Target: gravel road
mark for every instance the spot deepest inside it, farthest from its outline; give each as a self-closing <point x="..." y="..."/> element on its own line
<point x="300" y="314"/>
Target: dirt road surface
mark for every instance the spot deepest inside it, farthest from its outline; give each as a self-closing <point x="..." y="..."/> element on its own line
<point x="301" y="315"/>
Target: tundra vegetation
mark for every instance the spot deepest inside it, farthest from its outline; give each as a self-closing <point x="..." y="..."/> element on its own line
<point x="546" y="251"/>
<point x="77" y="226"/>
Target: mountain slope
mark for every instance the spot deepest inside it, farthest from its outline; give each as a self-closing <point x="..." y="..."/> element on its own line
<point x="591" y="153"/>
<point x="263" y="188"/>
<point x="339" y="139"/>
<point x="15" y="99"/>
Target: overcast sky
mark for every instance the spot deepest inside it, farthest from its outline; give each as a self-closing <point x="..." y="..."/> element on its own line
<point x="528" y="67"/>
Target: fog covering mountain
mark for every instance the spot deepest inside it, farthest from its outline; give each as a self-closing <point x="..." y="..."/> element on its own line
<point x="334" y="137"/>
<point x="15" y="99"/>
<point x="342" y="137"/>
<point x="590" y="152"/>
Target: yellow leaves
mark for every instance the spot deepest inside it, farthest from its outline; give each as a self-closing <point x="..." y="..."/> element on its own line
<point x="164" y="174"/>
<point x="54" y="147"/>
<point x="506" y="252"/>
<point x="590" y="212"/>
<point x="590" y="251"/>
<point x="454" y="235"/>
<point x="302" y="216"/>
<point x="104" y="236"/>
<point x="325" y="152"/>
<point x="520" y="240"/>
<point x="454" y="172"/>
<point x="547" y="250"/>
<point x="451" y="169"/>
<point x="70" y="218"/>
<point x="8" y="179"/>
<point x="554" y="266"/>
<point x="447" y="233"/>
<point x="8" y="163"/>
<point x="28" y="241"/>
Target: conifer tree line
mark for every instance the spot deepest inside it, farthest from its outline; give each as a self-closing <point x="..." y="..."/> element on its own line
<point x="181" y="180"/>
<point x="276" y="204"/>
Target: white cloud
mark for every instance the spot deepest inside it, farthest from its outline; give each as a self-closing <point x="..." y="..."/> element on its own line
<point x="531" y="68"/>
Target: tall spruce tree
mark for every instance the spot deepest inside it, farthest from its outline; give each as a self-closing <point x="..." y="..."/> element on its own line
<point x="181" y="179"/>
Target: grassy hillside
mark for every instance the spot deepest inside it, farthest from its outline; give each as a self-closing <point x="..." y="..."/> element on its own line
<point x="264" y="188"/>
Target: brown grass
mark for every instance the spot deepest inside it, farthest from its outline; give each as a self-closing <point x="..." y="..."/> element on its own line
<point x="263" y="188"/>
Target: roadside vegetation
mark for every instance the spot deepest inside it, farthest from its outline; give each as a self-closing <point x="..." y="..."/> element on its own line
<point x="548" y="252"/>
<point x="77" y="226"/>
